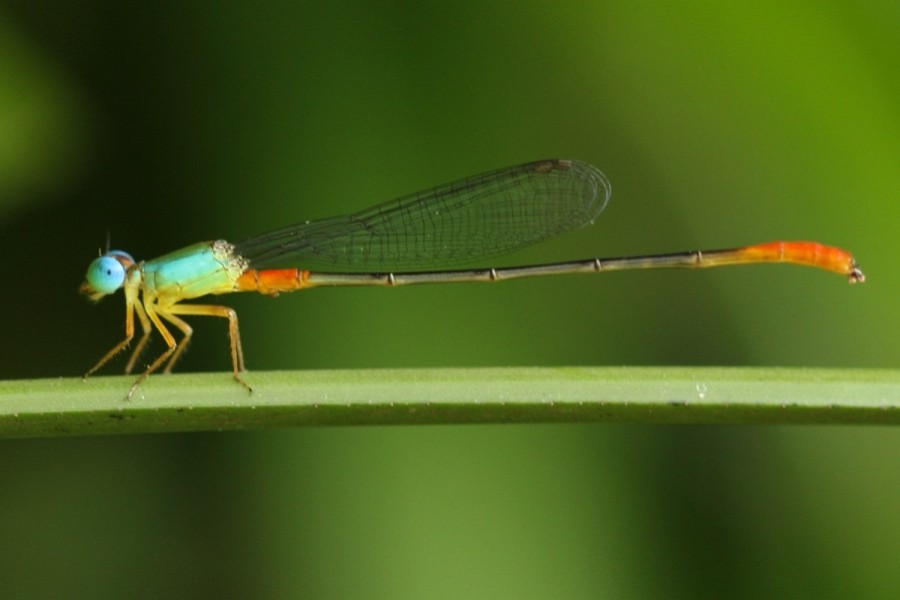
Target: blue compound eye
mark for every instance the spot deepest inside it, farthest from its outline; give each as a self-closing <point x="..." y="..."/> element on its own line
<point x="106" y="275"/>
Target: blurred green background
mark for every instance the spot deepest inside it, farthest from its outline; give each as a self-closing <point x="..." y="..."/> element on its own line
<point x="718" y="123"/>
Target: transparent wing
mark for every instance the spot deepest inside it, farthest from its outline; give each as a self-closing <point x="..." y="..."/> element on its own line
<point x="461" y="222"/>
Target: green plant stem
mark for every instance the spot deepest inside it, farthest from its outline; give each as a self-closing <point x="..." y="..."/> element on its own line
<point x="197" y="402"/>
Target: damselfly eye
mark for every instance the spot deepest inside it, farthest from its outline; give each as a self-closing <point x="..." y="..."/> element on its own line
<point x="105" y="275"/>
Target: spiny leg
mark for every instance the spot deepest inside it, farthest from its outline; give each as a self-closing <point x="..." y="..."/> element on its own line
<point x="162" y="358"/>
<point x="131" y="304"/>
<point x="188" y="332"/>
<point x="142" y="343"/>
<point x="234" y="334"/>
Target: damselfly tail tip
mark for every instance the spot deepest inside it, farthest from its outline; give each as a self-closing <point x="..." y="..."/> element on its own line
<point x="856" y="275"/>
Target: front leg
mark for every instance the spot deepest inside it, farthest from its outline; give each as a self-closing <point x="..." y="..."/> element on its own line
<point x="132" y="304"/>
<point x="142" y="343"/>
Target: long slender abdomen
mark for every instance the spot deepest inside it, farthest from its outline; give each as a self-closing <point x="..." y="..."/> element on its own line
<point x="811" y="254"/>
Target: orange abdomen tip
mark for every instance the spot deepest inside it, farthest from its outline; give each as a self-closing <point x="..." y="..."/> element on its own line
<point x="812" y="254"/>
